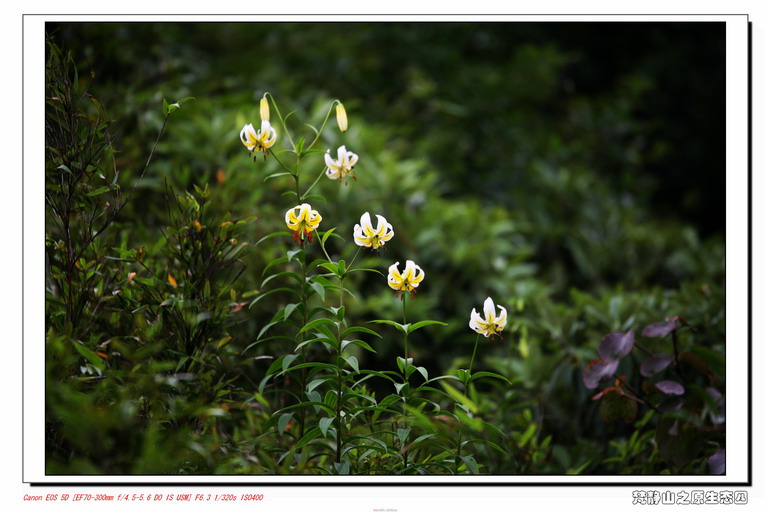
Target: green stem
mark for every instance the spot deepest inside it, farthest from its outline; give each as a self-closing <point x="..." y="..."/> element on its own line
<point x="339" y="409"/>
<point x="296" y="183"/>
<point x="328" y="113"/>
<point x="288" y="170"/>
<point x="323" y="248"/>
<point x="406" y="384"/>
<point x="406" y="337"/>
<point x="350" y="265"/>
<point x="283" y="124"/>
<point x="473" y="357"/>
<point x="303" y="378"/>
<point x="339" y="377"/>
<point x="323" y="172"/>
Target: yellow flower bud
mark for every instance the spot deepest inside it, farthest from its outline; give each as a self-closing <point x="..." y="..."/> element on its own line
<point x="342" y="117"/>
<point x="264" y="109"/>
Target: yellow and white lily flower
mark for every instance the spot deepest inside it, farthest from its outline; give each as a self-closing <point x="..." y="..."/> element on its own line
<point x="368" y="236"/>
<point x="407" y="281"/>
<point x="343" y="166"/>
<point x="490" y="324"/>
<point x="302" y="220"/>
<point x="259" y="140"/>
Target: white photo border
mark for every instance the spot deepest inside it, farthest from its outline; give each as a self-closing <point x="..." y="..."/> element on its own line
<point x="738" y="329"/>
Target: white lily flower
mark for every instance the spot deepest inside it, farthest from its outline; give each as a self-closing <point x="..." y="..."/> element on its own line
<point x="303" y="220"/>
<point x="368" y="236"/>
<point x="259" y="140"/>
<point x="490" y="324"/>
<point x="407" y="281"/>
<point x="343" y="166"/>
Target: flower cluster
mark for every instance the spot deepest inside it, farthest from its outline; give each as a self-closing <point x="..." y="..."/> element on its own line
<point x="302" y="220"/>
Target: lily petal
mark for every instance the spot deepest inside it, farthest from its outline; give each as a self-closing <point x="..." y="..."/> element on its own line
<point x="328" y="160"/>
<point x="502" y="319"/>
<point x="489" y="310"/>
<point x="475" y="322"/>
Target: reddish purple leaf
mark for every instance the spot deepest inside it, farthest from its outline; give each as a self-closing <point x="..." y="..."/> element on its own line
<point x="659" y="329"/>
<point x="670" y="387"/>
<point x="717" y="463"/>
<point x="655" y="364"/>
<point x="616" y="345"/>
<point x="597" y="371"/>
<point x="717" y="417"/>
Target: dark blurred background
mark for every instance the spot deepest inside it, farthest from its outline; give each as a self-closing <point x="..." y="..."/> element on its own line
<point x="485" y="90"/>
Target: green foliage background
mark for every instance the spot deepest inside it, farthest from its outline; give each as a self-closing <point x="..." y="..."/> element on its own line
<point x="574" y="168"/>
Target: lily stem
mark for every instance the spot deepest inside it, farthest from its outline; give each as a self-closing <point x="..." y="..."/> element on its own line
<point x="406" y="337"/>
<point x="350" y="265"/>
<point x="339" y="377"/>
<point x="323" y="172"/>
<point x="288" y="170"/>
<point x="283" y="123"/>
<point x="473" y="357"/>
<point x="302" y="339"/>
<point x="328" y="113"/>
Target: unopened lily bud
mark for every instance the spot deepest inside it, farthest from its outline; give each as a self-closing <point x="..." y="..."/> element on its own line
<point x="264" y="109"/>
<point x="342" y="117"/>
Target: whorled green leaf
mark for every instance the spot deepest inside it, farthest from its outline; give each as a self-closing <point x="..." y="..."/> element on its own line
<point x="403" y="328"/>
<point x="324" y="424"/>
<point x="417" y="325"/>
<point x="359" y="343"/>
<point x="273" y="235"/>
<point x="359" y="329"/>
<point x="485" y="374"/>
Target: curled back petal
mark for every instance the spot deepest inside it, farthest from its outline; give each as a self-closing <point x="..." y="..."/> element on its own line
<point x="502" y="319"/>
<point x="419" y="275"/>
<point x="475" y="321"/>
